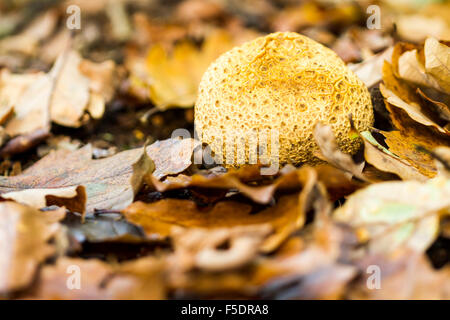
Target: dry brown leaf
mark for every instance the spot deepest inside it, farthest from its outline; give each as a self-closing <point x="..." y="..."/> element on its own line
<point x="71" y="92"/>
<point x="412" y="109"/>
<point x="437" y="62"/>
<point x="102" y="76"/>
<point x="384" y="160"/>
<point x="27" y="41"/>
<point x="408" y="113"/>
<point x="72" y="198"/>
<point x="418" y="27"/>
<point x="438" y="108"/>
<point x="99" y="280"/>
<point x="32" y="107"/>
<point x="63" y="95"/>
<point x="370" y="70"/>
<point x="200" y="248"/>
<point x="110" y="183"/>
<point x="12" y="87"/>
<point x="24" y="234"/>
<point x="409" y="276"/>
<point x="304" y="267"/>
<point x="247" y="180"/>
<point x="159" y="218"/>
<point x="442" y="155"/>
<point x="330" y="152"/>
<point x="425" y="65"/>
<point x="407" y="147"/>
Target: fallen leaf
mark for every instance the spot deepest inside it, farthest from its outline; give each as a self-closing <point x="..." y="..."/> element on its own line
<point x="330" y="152"/>
<point x="385" y="160"/>
<point x="71" y="92"/>
<point x="103" y="77"/>
<point x="417" y="27"/>
<point x="407" y="113"/>
<point x="440" y="109"/>
<point x="12" y="87"/>
<point x="172" y="79"/>
<point x="305" y="267"/>
<point x="110" y="183"/>
<point x="24" y="234"/>
<point x="72" y="198"/>
<point x="32" y="107"/>
<point x="28" y="40"/>
<point x="408" y="147"/>
<point x="408" y="276"/>
<point x="159" y="218"/>
<point x="32" y="101"/>
<point x="442" y="155"/>
<point x="102" y="227"/>
<point x="413" y="110"/>
<point x="370" y="70"/>
<point x="437" y="62"/>
<point x="200" y="248"/>
<point x="247" y="180"/>
<point x="99" y="280"/>
<point x="393" y="215"/>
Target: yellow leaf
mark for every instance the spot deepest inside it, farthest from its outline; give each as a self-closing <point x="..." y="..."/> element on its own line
<point x="173" y="78"/>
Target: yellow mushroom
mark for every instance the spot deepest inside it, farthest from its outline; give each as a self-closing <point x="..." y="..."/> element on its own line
<point x="283" y="82"/>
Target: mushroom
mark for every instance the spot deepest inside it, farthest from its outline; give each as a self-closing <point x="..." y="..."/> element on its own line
<point x="283" y="82"/>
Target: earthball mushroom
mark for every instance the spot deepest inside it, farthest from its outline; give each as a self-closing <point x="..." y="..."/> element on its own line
<point x="283" y="82"/>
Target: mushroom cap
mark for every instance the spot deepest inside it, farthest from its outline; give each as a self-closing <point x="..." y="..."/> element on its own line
<point x="284" y="82"/>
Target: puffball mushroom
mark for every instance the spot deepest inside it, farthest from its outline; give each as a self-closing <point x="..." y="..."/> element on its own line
<point x="285" y="82"/>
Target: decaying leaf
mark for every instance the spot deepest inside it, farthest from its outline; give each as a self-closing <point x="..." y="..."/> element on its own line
<point x="393" y="215"/>
<point x="442" y="155"/>
<point x="24" y="234"/>
<point x="417" y="27"/>
<point x="71" y="92"/>
<point x="85" y="220"/>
